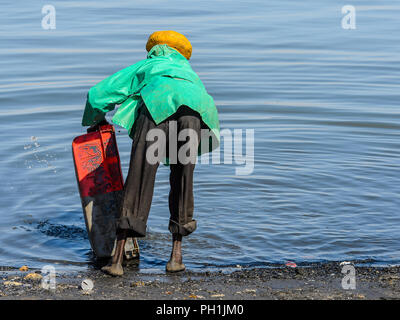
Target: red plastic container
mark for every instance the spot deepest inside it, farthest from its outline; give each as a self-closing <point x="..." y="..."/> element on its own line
<point x="97" y="163"/>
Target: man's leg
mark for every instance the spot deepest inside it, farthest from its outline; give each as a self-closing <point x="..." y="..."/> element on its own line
<point x="181" y="202"/>
<point x="175" y="262"/>
<point x="138" y="192"/>
<point x="115" y="268"/>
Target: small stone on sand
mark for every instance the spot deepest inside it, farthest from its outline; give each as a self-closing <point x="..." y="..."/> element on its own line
<point x="218" y="295"/>
<point x="138" y="284"/>
<point x="33" y="276"/>
<point x="12" y="283"/>
<point x="249" y="290"/>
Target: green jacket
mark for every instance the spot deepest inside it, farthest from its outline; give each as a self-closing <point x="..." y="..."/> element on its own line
<point x="164" y="81"/>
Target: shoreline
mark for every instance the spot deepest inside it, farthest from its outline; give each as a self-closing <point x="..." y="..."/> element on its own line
<point x="323" y="281"/>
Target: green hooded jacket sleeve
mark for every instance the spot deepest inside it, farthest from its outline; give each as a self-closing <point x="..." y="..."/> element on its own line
<point x="162" y="83"/>
<point x="111" y="91"/>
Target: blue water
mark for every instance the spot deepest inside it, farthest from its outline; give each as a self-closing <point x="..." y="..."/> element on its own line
<point x="323" y="102"/>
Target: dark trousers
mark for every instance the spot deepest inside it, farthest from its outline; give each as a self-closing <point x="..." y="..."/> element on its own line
<point x="139" y="184"/>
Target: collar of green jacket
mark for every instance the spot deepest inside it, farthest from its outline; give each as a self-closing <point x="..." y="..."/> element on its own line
<point x="163" y="50"/>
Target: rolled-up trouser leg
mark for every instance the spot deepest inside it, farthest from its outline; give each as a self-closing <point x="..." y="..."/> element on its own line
<point x="181" y="202"/>
<point x="139" y="184"/>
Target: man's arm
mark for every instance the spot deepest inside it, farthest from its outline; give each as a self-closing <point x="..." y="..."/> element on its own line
<point x="103" y="97"/>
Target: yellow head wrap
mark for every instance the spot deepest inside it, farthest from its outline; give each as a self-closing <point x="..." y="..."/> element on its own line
<point x="173" y="39"/>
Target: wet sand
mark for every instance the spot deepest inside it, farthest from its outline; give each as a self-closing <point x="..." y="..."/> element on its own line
<point x="313" y="282"/>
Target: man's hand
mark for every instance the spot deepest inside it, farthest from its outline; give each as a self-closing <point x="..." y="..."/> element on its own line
<point x="97" y="126"/>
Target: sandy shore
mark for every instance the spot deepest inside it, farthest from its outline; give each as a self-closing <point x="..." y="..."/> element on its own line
<point x="320" y="281"/>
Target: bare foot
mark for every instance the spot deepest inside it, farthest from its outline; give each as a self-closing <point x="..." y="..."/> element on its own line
<point x="115" y="269"/>
<point x="175" y="262"/>
<point x="173" y="266"/>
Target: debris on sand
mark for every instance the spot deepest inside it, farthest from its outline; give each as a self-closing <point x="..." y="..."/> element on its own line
<point x="217" y="295"/>
<point x="249" y="290"/>
<point x="194" y="296"/>
<point x="138" y="284"/>
<point x="291" y="264"/>
<point x="12" y="283"/>
<point x="33" y="276"/>
<point x="253" y="291"/>
<point x="311" y="283"/>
